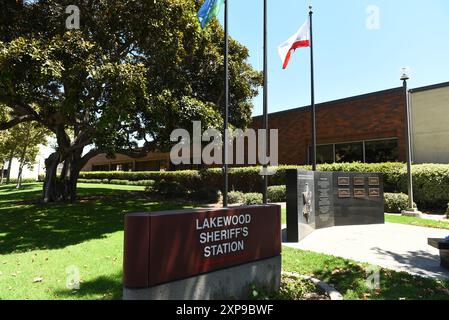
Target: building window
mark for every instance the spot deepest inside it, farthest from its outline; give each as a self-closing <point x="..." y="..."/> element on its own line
<point x="381" y="151"/>
<point x="104" y="167"/>
<point x="375" y="151"/>
<point x="148" y="166"/>
<point x="349" y="152"/>
<point x="325" y="154"/>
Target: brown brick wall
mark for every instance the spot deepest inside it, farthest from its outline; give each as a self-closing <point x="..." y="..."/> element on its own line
<point x="373" y="116"/>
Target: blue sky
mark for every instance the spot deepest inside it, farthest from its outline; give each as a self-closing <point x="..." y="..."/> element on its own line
<point x="350" y="58"/>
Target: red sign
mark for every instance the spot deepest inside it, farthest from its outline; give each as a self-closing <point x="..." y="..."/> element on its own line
<point x="166" y="246"/>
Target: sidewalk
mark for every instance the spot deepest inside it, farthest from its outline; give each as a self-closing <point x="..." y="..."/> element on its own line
<point x="392" y="246"/>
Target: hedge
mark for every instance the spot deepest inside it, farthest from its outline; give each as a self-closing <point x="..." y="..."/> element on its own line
<point x="395" y="202"/>
<point x="251" y="199"/>
<point x="431" y="182"/>
<point x="14" y="180"/>
<point x="430" y="185"/>
<point x="277" y="193"/>
<point x="247" y="179"/>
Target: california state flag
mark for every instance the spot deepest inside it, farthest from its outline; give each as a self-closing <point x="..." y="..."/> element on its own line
<point x="300" y="39"/>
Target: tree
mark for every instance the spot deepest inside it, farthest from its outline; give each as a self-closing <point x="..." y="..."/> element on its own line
<point x="135" y="71"/>
<point x="8" y="151"/>
<point x="29" y="138"/>
<point x="3" y="153"/>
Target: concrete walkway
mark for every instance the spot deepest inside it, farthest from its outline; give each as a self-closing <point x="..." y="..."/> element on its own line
<point x="392" y="246"/>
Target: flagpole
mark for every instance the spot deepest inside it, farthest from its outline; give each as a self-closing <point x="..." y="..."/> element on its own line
<point x="265" y="98"/>
<point x="226" y="109"/>
<point x="312" y="104"/>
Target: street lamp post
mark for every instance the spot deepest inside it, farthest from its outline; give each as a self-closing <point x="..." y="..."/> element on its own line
<point x="412" y="210"/>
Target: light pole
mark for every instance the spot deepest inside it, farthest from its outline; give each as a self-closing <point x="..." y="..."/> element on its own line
<point x="412" y="210"/>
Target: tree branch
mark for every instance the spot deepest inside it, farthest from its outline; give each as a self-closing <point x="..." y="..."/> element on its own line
<point x="9" y="124"/>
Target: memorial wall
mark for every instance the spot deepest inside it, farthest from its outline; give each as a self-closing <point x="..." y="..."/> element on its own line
<point x="317" y="200"/>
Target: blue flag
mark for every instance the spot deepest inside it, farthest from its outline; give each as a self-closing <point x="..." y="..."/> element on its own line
<point x="209" y="10"/>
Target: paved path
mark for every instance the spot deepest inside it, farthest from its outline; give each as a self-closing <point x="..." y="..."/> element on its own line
<point x="392" y="246"/>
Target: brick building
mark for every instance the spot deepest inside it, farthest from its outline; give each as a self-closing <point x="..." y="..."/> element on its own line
<point x="366" y="128"/>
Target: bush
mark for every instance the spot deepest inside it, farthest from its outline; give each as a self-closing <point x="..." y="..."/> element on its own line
<point x="277" y="193"/>
<point x="395" y="202"/>
<point x="430" y="185"/>
<point x="93" y="181"/>
<point x="142" y="183"/>
<point x="205" y="195"/>
<point x="447" y="211"/>
<point x="119" y="182"/>
<point x="168" y="189"/>
<point x="431" y="182"/>
<point x="235" y="197"/>
<point x="251" y="199"/>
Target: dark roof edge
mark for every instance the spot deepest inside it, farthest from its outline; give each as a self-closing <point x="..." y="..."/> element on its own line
<point x="366" y="95"/>
<point x="431" y="87"/>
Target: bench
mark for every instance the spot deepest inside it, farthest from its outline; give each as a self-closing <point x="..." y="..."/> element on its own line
<point x="443" y="246"/>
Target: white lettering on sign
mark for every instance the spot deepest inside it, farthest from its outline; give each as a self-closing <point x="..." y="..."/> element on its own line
<point x="233" y="229"/>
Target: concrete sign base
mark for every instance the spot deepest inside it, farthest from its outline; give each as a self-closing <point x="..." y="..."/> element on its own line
<point x="231" y="283"/>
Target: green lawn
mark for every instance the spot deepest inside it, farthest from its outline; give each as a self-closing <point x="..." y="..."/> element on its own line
<point x="42" y="241"/>
<point x="350" y="278"/>
<point x="42" y="245"/>
<point x="394" y="218"/>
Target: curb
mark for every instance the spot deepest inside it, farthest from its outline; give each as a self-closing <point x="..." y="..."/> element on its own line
<point x="330" y="291"/>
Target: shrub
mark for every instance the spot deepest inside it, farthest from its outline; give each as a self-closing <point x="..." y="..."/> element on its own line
<point x="277" y="193"/>
<point x="142" y="183"/>
<point x="431" y="182"/>
<point x="430" y="185"/>
<point x="168" y="189"/>
<point x="447" y="211"/>
<point x="14" y="180"/>
<point x="250" y="199"/>
<point x="235" y="197"/>
<point x="205" y="195"/>
<point x="119" y="182"/>
<point x="93" y="181"/>
<point x="395" y="202"/>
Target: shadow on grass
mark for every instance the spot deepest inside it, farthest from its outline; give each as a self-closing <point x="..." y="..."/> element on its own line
<point x="425" y="262"/>
<point x="25" y="227"/>
<point x="353" y="279"/>
<point x="107" y="288"/>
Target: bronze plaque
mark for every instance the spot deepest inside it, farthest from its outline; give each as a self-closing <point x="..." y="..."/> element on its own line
<point x="359" y="193"/>
<point x="344" y="193"/>
<point x="374" y="181"/>
<point x="344" y="181"/>
<point x="374" y="192"/>
<point x="359" y="181"/>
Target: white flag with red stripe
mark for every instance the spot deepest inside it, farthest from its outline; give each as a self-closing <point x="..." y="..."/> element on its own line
<point x="300" y="39"/>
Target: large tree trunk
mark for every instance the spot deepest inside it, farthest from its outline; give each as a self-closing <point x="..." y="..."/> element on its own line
<point x="69" y="176"/>
<point x="50" y="193"/>
<point x="64" y="187"/>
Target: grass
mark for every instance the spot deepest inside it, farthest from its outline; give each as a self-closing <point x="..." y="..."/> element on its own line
<point x="350" y="278"/>
<point x="42" y="248"/>
<point x="393" y="218"/>
<point x="39" y="242"/>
